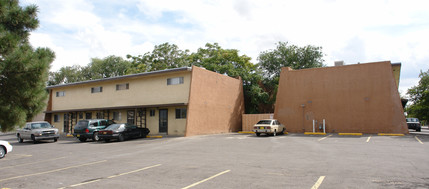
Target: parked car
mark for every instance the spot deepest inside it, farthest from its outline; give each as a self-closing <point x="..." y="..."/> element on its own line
<point x="413" y="123"/>
<point x="89" y="128"/>
<point x="5" y="148"/>
<point x="268" y="126"/>
<point x="122" y="132"/>
<point x="35" y="131"/>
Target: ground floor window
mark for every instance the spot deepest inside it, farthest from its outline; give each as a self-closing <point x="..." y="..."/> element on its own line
<point x="117" y="116"/>
<point x="100" y="115"/>
<point x="56" y="118"/>
<point x="152" y="113"/>
<point x="180" y="113"/>
<point x="88" y="115"/>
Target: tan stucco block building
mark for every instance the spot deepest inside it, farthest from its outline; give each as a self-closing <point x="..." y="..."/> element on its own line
<point x="359" y="98"/>
<point x="166" y="102"/>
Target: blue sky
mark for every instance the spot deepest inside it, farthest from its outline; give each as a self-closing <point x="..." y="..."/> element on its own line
<point x="353" y="31"/>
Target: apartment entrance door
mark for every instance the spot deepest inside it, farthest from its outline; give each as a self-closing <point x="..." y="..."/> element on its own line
<point x="163" y="120"/>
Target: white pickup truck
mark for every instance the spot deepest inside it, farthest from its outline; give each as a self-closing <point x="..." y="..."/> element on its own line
<point x="36" y="131"/>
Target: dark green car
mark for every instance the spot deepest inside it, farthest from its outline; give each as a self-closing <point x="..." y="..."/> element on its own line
<point x="88" y="128"/>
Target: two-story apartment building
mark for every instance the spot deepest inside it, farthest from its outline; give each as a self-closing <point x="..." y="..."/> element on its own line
<point x="180" y="102"/>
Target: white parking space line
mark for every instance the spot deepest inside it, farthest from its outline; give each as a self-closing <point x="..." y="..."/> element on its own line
<point x="113" y="176"/>
<point x="31" y="163"/>
<point x="369" y="138"/>
<point x="51" y="171"/>
<point x="318" y="183"/>
<point x="418" y="140"/>
<point x="197" y="183"/>
<point x="324" y="138"/>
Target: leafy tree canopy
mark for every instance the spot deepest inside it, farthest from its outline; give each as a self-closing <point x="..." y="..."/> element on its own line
<point x="23" y="69"/>
<point x="164" y="56"/>
<point x="419" y="96"/>
<point x="286" y="55"/>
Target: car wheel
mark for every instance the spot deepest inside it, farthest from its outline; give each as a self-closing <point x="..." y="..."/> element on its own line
<point x="34" y="139"/>
<point x="55" y="139"/>
<point x="258" y="134"/>
<point x="121" y="138"/>
<point x="82" y="139"/>
<point x="20" y="140"/>
<point x="2" y="152"/>
<point x="419" y="129"/>
<point x="275" y="133"/>
<point x="95" y="137"/>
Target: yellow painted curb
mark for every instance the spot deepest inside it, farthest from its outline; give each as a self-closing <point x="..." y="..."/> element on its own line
<point x="285" y="133"/>
<point x="69" y="135"/>
<point x="311" y="133"/>
<point x="389" y="134"/>
<point x="355" y="134"/>
<point x="246" y="132"/>
<point x="153" y="136"/>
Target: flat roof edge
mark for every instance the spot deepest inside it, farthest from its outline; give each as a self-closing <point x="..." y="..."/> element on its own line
<point x="122" y="77"/>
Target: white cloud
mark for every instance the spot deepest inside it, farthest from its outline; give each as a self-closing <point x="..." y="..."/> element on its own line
<point x="354" y="31"/>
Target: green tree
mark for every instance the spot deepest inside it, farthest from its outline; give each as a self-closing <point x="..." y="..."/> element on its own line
<point x="164" y="56"/>
<point x="111" y="66"/>
<point x="67" y="74"/>
<point x="285" y="55"/>
<point x="419" y="96"/>
<point x="23" y="70"/>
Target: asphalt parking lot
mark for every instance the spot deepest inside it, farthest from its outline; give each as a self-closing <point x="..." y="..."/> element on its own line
<point x="221" y="161"/>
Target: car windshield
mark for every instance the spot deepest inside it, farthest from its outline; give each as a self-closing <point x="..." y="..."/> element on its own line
<point x="116" y="127"/>
<point x="412" y="120"/>
<point x="264" y="122"/>
<point x="40" y="125"/>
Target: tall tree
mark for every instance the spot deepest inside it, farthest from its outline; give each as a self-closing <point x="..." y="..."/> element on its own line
<point x="285" y="55"/>
<point x="67" y="74"/>
<point x="419" y="96"/>
<point x="164" y="56"/>
<point x="111" y="66"/>
<point x="23" y="70"/>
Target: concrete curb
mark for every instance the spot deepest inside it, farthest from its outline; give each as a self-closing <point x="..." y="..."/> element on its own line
<point x="251" y="132"/>
<point x="153" y="136"/>
<point x="352" y="134"/>
<point x="390" y="134"/>
<point x="316" y="133"/>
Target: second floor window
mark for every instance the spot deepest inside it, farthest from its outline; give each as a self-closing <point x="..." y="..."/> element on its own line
<point x="123" y="86"/>
<point x="175" y="81"/>
<point x="61" y="93"/>
<point x="96" y="89"/>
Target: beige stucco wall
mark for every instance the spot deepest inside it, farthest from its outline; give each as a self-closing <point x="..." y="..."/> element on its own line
<point x="216" y="103"/>
<point x="354" y="98"/>
<point x="176" y="127"/>
<point x="143" y="90"/>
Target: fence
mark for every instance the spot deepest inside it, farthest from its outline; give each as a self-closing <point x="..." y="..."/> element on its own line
<point x="248" y="120"/>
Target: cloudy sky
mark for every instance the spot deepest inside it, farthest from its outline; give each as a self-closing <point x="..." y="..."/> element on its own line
<point x="353" y="31"/>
